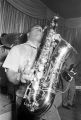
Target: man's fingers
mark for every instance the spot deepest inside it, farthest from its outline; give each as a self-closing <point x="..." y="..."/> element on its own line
<point x="23" y="80"/>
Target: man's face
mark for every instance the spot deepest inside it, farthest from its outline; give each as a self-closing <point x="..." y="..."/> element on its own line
<point x="36" y="33"/>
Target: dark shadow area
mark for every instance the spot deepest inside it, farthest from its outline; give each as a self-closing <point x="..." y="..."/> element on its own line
<point x="75" y="112"/>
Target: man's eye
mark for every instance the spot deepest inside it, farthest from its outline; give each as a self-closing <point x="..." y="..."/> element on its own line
<point x="39" y="30"/>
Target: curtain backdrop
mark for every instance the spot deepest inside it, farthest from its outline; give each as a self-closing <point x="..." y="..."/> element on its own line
<point x="70" y="30"/>
<point x="19" y="15"/>
<point x="13" y="20"/>
<point x="34" y="8"/>
<point x="73" y="22"/>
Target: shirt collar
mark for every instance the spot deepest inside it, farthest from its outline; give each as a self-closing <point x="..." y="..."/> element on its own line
<point x="32" y="45"/>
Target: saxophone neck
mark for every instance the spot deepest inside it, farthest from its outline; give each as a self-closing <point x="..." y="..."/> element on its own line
<point x="54" y="23"/>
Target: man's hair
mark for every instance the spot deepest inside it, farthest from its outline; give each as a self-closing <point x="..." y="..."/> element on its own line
<point x="33" y="27"/>
<point x="3" y="34"/>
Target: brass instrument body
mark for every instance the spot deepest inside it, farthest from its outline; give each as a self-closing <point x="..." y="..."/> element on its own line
<point x="40" y="93"/>
<point x="38" y="85"/>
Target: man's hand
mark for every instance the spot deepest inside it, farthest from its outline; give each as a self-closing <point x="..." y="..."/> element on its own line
<point x="26" y="77"/>
<point x="13" y="77"/>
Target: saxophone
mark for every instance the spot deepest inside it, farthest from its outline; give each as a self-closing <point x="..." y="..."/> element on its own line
<point x="41" y="90"/>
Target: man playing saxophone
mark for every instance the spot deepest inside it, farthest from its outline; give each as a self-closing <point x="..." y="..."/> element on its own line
<point x="22" y="57"/>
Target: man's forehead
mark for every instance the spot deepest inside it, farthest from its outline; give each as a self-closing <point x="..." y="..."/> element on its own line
<point x="36" y="27"/>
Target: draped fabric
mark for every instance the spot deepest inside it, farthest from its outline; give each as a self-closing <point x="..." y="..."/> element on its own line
<point x="73" y="22"/>
<point x="34" y="8"/>
<point x="14" y="21"/>
<point x="70" y="30"/>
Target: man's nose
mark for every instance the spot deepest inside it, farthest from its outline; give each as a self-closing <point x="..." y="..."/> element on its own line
<point x="39" y="29"/>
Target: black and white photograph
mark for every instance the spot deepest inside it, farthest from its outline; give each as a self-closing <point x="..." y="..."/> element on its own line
<point x="40" y="59"/>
